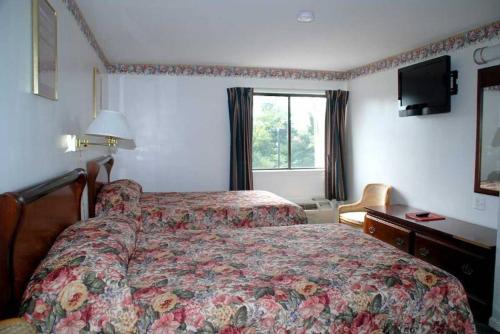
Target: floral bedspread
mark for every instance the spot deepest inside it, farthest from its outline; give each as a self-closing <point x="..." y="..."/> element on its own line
<point x="299" y="279"/>
<point x="226" y="209"/>
<point x="104" y="275"/>
<point x="81" y="286"/>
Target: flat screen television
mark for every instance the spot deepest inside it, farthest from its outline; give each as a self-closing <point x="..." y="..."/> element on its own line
<point x="425" y="88"/>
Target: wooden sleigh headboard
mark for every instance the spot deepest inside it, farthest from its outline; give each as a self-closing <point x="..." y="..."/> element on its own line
<point x="30" y="221"/>
<point x="99" y="173"/>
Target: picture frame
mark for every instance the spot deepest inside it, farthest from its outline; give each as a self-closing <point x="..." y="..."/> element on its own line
<point x="97" y="91"/>
<point x="45" y="61"/>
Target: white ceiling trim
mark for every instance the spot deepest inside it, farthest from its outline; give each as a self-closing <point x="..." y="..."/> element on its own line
<point x="447" y="45"/>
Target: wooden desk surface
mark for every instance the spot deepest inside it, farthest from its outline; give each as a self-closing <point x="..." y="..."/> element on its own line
<point x="480" y="235"/>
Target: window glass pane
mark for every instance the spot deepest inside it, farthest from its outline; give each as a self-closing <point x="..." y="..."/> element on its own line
<point x="270" y="132"/>
<point x="308" y="132"/>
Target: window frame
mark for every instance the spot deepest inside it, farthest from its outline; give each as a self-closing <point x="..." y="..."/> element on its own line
<point x="289" y="130"/>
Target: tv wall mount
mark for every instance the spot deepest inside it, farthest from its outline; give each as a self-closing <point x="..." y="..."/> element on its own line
<point x="454" y="85"/>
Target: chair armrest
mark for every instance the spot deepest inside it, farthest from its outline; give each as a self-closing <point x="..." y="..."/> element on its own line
<point x="358" y="206"/>
<point x="16" y="326"/>
<point x="353" y="207"/>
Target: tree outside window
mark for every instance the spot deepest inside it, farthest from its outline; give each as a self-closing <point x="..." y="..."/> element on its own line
<point x="288" y="131"/>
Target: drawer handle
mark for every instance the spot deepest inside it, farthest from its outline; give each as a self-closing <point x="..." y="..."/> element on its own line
<point x="400" y="242"/>
<point x="467" y="269"/>
<point x="423" y="251"/>
<point x="371" y="229"/>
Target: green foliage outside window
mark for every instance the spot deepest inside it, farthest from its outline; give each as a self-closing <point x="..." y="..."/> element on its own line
<point x="270" y="132"/>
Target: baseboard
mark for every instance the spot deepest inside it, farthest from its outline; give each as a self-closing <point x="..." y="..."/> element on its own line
<point x="495" y="323"/>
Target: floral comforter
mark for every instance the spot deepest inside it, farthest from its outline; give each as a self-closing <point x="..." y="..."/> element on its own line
<point x="226" y="209"/>
<point x="104" y="275"/>
<point x="82" y="284"/>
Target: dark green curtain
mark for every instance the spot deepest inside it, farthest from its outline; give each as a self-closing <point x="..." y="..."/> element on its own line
<point x="336" y="109"/>
<point x="240" y="103"/>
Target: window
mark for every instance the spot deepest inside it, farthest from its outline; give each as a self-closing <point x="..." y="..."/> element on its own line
<point x="288" y="131"/>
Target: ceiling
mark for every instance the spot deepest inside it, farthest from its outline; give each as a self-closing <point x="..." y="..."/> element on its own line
<point x="345" y="34"/>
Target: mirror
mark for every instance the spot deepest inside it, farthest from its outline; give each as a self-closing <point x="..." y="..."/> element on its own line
<point x="487" y="180"/>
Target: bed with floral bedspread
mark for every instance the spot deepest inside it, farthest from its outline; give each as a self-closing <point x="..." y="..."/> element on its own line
<point x="107" y="275"/>
<point x="223" y="209"/>
<point x="174" y="211"/>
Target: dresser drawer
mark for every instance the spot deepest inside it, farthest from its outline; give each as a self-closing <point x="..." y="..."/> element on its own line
<point x="472" y="269"/>
<point x="394" y="235"/>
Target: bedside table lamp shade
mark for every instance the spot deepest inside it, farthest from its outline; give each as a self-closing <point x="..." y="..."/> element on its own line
<point x="110" y="123"/>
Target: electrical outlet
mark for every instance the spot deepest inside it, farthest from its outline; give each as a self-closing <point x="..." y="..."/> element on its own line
<point x="479" y="203"/>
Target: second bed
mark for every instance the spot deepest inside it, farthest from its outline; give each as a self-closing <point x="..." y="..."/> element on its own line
<point x="172" y="211"/>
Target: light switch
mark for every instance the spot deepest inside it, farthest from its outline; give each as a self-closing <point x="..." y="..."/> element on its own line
<point x="479" y="203"/>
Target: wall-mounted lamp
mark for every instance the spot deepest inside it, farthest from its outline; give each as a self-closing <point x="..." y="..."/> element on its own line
<point x="486" y="54"/>
<point x="110" y="124"/>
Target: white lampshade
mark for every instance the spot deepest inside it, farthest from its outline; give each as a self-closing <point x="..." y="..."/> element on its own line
<point x="110" y="123"/>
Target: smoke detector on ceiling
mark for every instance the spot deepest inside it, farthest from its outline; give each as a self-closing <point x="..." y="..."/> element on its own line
<point x="305" y="16"/>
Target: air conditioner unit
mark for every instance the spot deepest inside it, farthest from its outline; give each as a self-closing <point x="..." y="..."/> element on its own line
<point x="317" y="204"/>
<point x="319" y="211"/>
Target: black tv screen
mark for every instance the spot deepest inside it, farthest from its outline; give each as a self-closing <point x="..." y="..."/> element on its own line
<point x="424" y="88"/>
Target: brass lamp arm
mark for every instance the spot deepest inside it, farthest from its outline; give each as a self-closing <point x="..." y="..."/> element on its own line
<point x="110" y="142"/>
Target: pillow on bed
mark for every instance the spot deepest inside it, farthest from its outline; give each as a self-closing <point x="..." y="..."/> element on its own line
<point x="82" y="284"/>
<point x="119" y="197"/>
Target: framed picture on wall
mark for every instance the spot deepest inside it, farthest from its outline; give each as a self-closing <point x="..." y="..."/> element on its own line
<point x="44" y="49"/>
<point x="97" y="91"/>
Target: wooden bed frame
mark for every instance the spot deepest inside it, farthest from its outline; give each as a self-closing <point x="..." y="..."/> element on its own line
<point x="30" y="221"/>
<point x="97" y="177"/>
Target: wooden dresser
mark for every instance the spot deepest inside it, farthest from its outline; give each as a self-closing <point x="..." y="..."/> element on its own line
<point x="463" y="249"/>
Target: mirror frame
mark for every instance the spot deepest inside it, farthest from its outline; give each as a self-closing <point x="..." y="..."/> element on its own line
<point x="488" y="76"/>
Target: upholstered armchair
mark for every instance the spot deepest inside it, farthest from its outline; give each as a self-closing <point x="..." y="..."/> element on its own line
<point x="375" y="194"/>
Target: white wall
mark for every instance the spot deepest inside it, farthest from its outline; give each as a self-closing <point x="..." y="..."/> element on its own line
<point x="31" y="126"/>
<point x="429" y="160"/>
<point x="181" y="127"/>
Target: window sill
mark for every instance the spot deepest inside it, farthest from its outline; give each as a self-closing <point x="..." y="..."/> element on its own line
<point x="288" y="170"/>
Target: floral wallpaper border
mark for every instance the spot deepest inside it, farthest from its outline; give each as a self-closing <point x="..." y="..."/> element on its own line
<point x="73" y="8"/>
<point x="453" y="43"/>
<point x="226" y="71"/>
